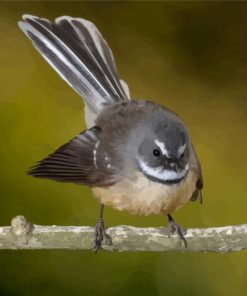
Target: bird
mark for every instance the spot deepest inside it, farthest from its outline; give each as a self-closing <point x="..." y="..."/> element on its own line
<point x="135" y="155"/>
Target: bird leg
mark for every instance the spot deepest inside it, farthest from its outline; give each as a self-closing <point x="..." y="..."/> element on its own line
<point x="175" y="228"/>
<point x="100" y="231"/>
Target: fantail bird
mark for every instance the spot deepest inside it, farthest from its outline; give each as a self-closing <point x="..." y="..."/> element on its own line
<point x="136" y="155"/>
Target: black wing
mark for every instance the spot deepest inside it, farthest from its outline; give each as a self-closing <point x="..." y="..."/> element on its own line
<point x="77" y="161"/>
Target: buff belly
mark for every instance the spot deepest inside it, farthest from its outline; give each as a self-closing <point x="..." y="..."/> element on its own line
<point x="141" y="196"/>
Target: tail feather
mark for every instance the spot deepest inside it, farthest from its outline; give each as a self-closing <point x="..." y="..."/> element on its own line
<point x="86" y="36"/>
<point x="79" y="54"/>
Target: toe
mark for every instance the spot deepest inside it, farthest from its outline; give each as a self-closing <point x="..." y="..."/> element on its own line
<point x="175" y="228"/>
<point x="100" y="235"/>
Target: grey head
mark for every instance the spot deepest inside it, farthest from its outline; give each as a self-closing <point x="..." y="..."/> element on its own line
<point x="164" y="150"/>
<point x="151" y="139"/>
<point x="163" y="154"/>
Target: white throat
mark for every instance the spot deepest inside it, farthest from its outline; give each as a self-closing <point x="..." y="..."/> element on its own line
<point x="162" y="174"/>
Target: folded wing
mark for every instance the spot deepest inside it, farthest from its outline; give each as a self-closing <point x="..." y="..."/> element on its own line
<point x="78" y="161"/>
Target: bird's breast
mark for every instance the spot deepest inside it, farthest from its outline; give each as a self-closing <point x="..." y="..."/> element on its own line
<point x="141" y="196"/>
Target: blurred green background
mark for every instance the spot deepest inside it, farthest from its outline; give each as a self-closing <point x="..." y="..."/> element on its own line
<point x="189" y="56"/>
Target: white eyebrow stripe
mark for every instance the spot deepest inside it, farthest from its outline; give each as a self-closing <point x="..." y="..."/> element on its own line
<point x="181" y="149"/>
<point x="161" y="145"/>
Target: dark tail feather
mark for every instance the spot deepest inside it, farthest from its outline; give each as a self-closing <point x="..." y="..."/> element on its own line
<point x="80" y="55"/>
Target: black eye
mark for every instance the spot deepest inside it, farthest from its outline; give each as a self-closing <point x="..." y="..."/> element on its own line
<point x="182" y="156"/>
<point x="156" y="152"/>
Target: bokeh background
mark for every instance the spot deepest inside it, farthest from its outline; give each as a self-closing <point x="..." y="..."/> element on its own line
<point x="189" y="56"/>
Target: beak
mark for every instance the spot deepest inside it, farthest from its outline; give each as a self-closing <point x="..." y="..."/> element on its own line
<point x="174" y="166"/>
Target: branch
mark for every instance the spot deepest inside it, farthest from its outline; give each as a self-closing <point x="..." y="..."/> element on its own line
<point x="24" y="235"/>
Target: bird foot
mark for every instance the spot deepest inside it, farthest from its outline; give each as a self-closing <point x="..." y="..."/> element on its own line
<point x="175" y="228"/>
<point x="100" y="235"/>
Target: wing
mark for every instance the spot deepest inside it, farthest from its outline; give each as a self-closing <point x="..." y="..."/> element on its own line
<point x="197" y="195"/>
<point x="78" y="161"/>
<point x="196" y="167"/>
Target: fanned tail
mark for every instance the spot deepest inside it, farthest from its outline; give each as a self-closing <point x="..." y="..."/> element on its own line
<point x="77" y="51"/>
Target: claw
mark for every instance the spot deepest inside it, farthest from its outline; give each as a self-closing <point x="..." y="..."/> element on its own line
<point x="100" y="235"/>
<point x="176" y="228"/>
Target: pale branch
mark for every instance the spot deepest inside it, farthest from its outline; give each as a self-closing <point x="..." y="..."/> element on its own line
<point x="24" y="235"/>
